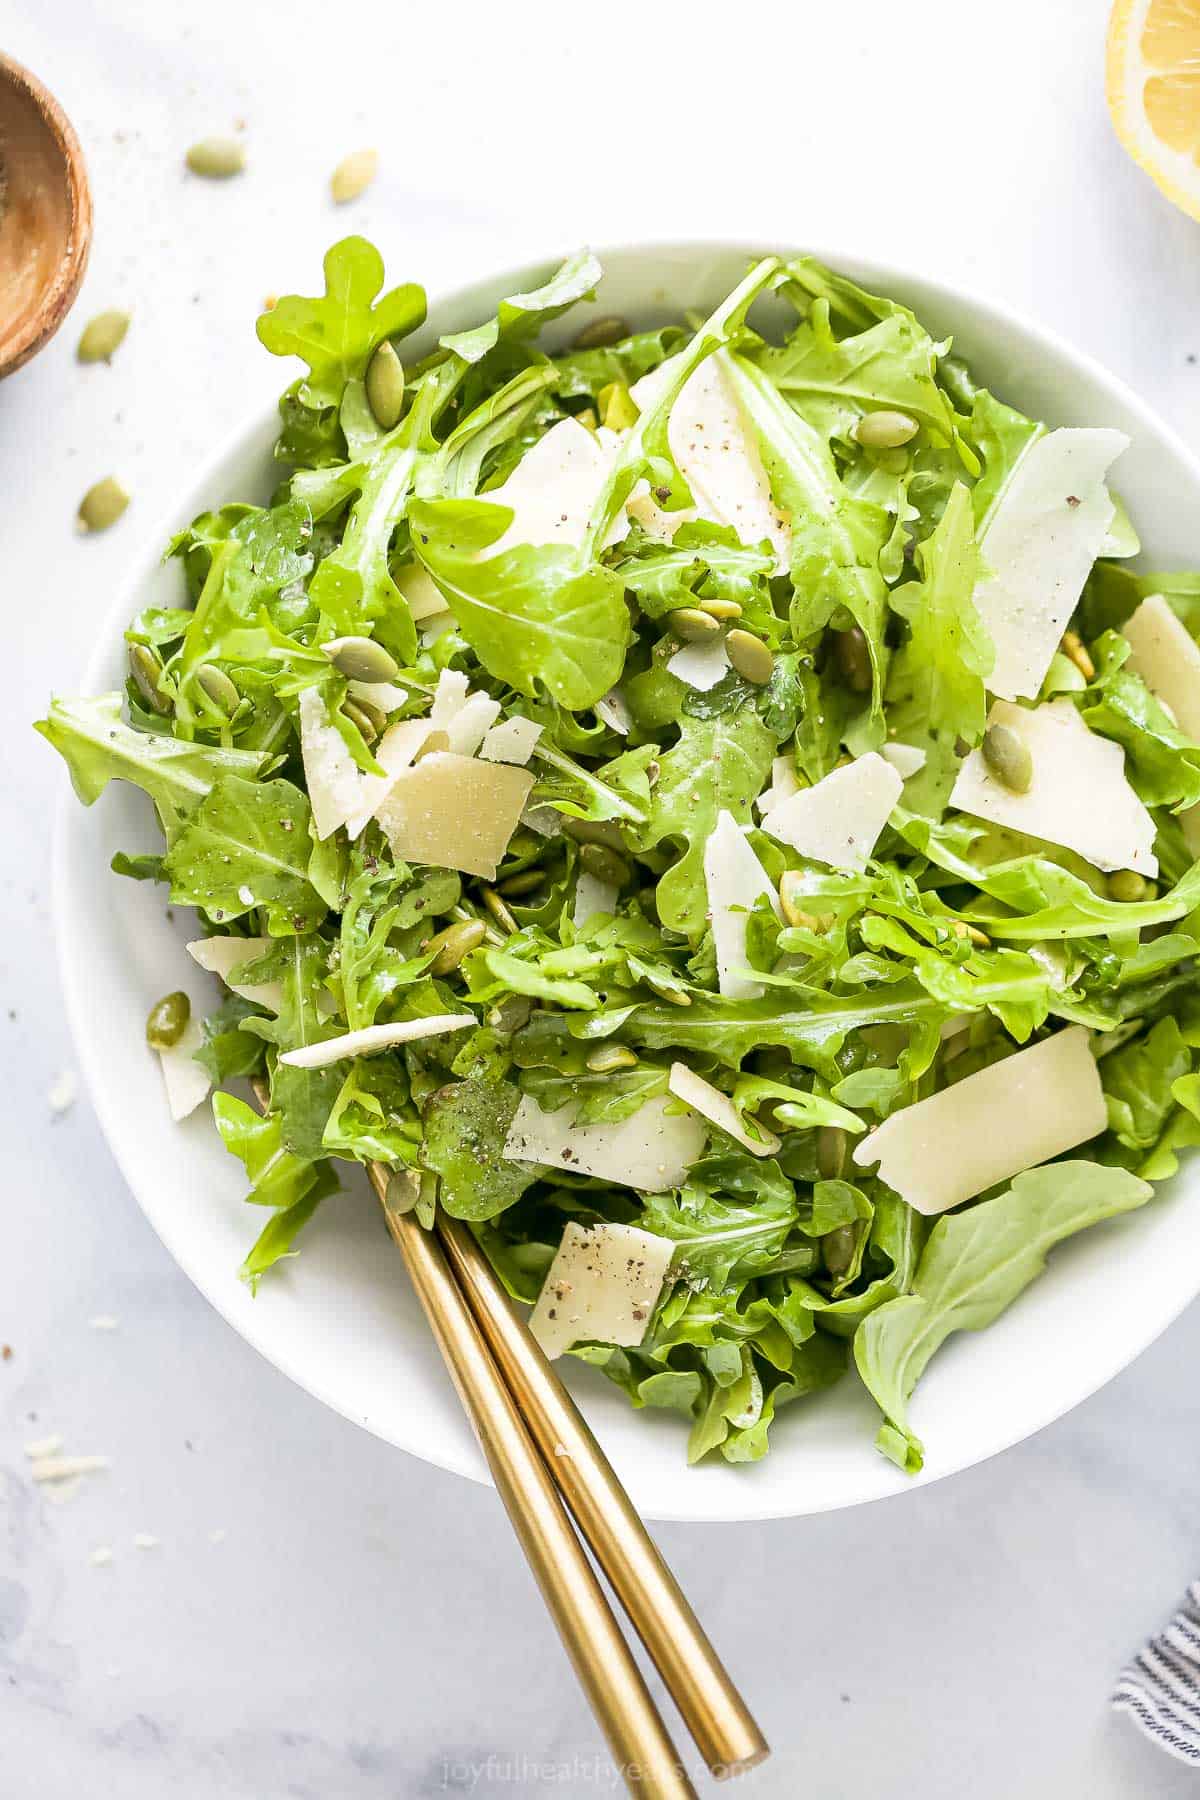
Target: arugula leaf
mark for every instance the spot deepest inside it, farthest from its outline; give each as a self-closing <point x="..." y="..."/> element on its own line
<point x="466" y="1124"/>
<point x="522" y="316"/>
<point x="293" y="1186"/>
<point x="973" y="1266"/>
<point x="247" y="846"/>
<point x="336" y="333"/>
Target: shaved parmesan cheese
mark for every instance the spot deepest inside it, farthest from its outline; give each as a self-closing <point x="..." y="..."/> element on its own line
<point x="553" y="488"/>
<point x="470" y="724"/>
<point x="511" y="742"/>
<point x="1079" y="797"/>
<point x="1038" y="547"/>
<point x="449" y="698"/>
<point x="39" y="1448"/>
<point x="187" y="1084"/>
<point x="602" y="1287"/>
<point x="66" y="1468"/>
<point x="735" y="879"/>
<point x="592" y="896"/>
<point x="221" y="955"/>
<point x="839" y="819"/>
<point x="1167" y="657"/>
<point x="718" y="1109"/>
<point x="383" y="694"/>
<point x="454" y="812"/>
<point x="653" y="1149"/>
<point x="990" y="1126"/>
<point x="906" y="759"/>
<point x="718" y="456"/>
<point x="330" y="775"/>
<point x="784" y="783"/>
<point x="701" y="665"/>
<point x="424" y="596"/>
<point x="434" y="628"/>
<point x="545" y="820"/>
<point x="374" y="1038"/>
<point x="613" y="711"/>
<point x="394" y="752"/>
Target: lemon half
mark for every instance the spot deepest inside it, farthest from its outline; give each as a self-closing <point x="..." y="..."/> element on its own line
<point x="1152" y="81"/>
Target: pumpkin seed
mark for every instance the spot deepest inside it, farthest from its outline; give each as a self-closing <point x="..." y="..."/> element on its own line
<point x="102" y="337"/>
<point x="403" y="1191"/>
<point x="831" y="1152"/>
<point x="690" y="625"/>
<point x="361" y="659"/>
<point x="145" y="668"/>
<point x="1008" y="757"/>
<point x="618" y="409"/>
<point x="498" y="910"/>
<point x="587" y="418"/>
<point x="791" y="893"/>
<point x="852" y="655"/>
<point x="838" y="1247"/>
<point x="594" y="831"/>
<point x="168" y="1020"/>
<point x="385" y="386"/>
<point x="353" y="175"/>
<point x="452" y="944"/>
<point x="1074" y="647"/>
<point x="217" y="158"/>
<point x="885" y="430"/>
<point x="972" y="933"/>
<point x="605" y="864"/>
<point x="750" y="657"/>
<point x="366" y="717"/>
<point x="666" y="990"/>
<point x="721" y="609"/>
<point x="1127" y="886"/>
<point x="610" y="1057"/>
<point x="523" y="882"/>
<point x="600" y="333"/>
<point x="220" y="689"/>
<point x="102" y="505"/>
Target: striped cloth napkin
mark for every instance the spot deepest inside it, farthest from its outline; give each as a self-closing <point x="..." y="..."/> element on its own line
<point x="1160" y="1688"/>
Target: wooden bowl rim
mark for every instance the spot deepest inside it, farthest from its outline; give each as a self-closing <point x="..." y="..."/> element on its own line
<point x="61" y="290"/>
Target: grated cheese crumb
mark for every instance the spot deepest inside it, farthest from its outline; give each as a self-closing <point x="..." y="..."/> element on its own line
<point x="142" y="1540"/>
<point x="104" y="1322"/>
<point x="63" y="1093"/>
<point x="101" y="1556"/>
<point x="46" y="1446"/>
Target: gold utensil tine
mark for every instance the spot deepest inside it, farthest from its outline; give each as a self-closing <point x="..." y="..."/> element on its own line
<point x="725" y="1733"/>
<point x="632" y="1724"/>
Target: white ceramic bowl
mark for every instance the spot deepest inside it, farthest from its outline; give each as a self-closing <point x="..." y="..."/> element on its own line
<point x="339" y="1318"/>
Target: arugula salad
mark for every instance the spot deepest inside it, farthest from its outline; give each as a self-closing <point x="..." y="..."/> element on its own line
<point x="712" y="806"/>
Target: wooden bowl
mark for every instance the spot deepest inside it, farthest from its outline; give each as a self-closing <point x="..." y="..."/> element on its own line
<point x="45" y="216"/>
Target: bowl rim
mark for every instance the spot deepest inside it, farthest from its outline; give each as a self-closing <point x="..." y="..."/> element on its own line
<point x="512" y="279"/>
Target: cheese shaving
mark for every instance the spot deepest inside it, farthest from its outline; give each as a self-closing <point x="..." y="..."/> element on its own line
<point x="373" y="1038"/>
<point x="839" y="819"/>
<point x="602" y="1286"/>
<point x="718" y="1109"/>
<point x="653" y="1149"/>
<point x="735" y="880"/>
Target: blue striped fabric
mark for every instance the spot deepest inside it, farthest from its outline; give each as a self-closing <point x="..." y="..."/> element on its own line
<point x="1160" y="1688"/>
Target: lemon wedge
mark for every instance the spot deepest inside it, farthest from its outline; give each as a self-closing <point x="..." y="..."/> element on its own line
<point x="1152" y="83"/>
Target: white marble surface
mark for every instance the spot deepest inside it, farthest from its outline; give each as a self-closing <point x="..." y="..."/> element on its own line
<point x="366" y="1628"/>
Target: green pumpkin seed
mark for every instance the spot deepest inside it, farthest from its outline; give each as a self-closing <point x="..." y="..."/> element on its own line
<point x="838" y="1247"/>
<point x="403" y="1191"/>
<point x="852" y="654"/>
<point x="452" y="944"/>
<point x="1074" y="647"/>
<point x="594" y="831"/>
<point x="750" y="657"/>
<point x="609" y="1058"/>
<point x="605" y="864"/>
<point x="721" y="609"/>
<point x="600" y="333"/>
<point x="791" y="895"/>
<point x="385" y="386"/>
<point x="1008" y="757"/>
<point x="667" y="991"/>
<point x="587" y="418"/>
<point x="618" y="409"/>
<point x="102" y="505"/>
<point x="1127" y="886"/>
<point x="885" y="430"/>
<point x="523" y="882"/>
<point x="217" y="158"/>
<point x="353" y="175"/>
<point x="102" y="337"/>
<point x="168" y="1020"/>
<point x="220" y="689"/>
<point x="145" y="668"/>
<point x="691" y="626"/>
<point x="498" y="910"/>
<point x="366" y="717"/>
<point x="361" y="659"/>
<point x="831" y="1152"/>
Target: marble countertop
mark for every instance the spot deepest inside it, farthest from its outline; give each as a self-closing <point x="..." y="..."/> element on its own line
<point x="323" y="1617"/>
